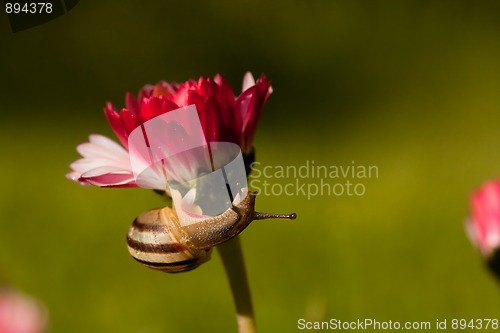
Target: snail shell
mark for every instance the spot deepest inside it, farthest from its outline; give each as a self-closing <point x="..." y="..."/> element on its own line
<point x="159" y="239"/>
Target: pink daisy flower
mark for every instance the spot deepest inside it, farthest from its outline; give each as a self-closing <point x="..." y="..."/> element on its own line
<point x="223" y="116"/>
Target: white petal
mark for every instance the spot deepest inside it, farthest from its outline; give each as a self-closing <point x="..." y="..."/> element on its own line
<point x="101" y="146"/>
<point x="153" y="179"/>
<point x="106" y="163"/>
<point x="101" y="156"/>
<point x="248" y="81"/>
<point x="188" y="203"/>
<point x="187" y="211"/>
<point x="242" y="194"/>
<point x="86" y="164"/>
<point x="103" y="170"/>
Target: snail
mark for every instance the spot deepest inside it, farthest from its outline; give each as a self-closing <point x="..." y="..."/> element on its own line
<point x="159" y="239"/>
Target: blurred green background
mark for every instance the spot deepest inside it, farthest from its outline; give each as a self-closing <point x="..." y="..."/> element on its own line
<point x="409" y="86"/>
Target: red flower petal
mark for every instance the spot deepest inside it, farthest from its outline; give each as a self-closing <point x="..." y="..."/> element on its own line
<point x="116" y="124"/>
<point x="250" y="105"/>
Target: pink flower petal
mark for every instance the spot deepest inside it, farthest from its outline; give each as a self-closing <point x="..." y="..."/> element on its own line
<point x="101" y="146"/>
<point x="101" y="156"/>
<point x="20" y="313"/>
<point x="109" y="177"/>
<point x="484" y="225"/>
<point x="106" y="164"/>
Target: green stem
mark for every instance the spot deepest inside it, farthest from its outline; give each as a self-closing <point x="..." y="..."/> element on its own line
<point x="232" y="258"/>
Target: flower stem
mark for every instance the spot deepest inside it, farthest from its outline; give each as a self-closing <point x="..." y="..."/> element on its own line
<point x="232" y="258"/>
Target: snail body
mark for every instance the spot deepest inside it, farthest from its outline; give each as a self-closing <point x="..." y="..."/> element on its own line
<point x="159" y="239"/>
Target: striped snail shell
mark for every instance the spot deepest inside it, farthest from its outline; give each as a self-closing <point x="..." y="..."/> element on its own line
<point x="159" y="240"/>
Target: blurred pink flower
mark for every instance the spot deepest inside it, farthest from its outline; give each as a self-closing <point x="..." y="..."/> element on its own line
<point x="224" y="118"/>
<point x="20" y="313"/>
<point x="483" y="227"/>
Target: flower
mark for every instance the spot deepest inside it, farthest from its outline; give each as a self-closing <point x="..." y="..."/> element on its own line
<point x="483" y="227"/>
<point x="223" y="117"/>
<point x="20" y="313"/>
